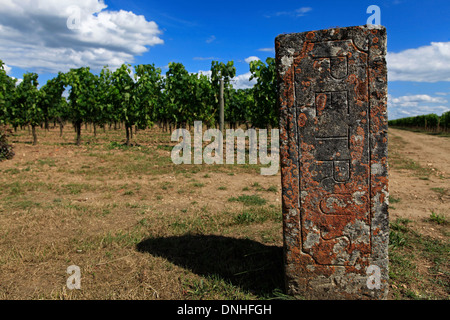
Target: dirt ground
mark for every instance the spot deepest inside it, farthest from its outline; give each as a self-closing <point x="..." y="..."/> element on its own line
<point x="110" y="210"/>
<point x="419" y="190"/>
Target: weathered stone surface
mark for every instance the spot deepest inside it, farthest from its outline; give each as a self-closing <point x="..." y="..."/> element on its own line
<point x="332" y="96"/>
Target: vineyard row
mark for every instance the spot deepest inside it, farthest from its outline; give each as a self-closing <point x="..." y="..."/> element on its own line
<point x="139" y="97"/>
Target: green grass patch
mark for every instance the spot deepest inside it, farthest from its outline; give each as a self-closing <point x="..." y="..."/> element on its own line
<point x="397" y="161"/>
<point x="75" y="188"/>
<point x="251" y="200"/>
<point x="393" y="200"/>
<point x="406" y="249"/>
<point x="197" y="224"/>
<point x="21" y="187"/>
<point x="437" y="218"/>
<point x="198" y="184"/>
<point x="114" y="145"/>
<point x="165" y="147"/>
<point x="258" y="215"/>
<point x="166" y="185"/>
<point x="49" y="162"/>
<point x="441" y="191"/>
<point x="12" y="171"/>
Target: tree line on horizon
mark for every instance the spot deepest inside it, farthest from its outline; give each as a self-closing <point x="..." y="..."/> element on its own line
<point x="429" y="122"/>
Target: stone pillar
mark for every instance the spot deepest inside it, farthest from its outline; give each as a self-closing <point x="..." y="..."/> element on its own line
<point x="332" y="97"/>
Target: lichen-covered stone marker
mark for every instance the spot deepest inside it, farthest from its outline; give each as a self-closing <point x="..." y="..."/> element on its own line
<point x="332" y="96"/>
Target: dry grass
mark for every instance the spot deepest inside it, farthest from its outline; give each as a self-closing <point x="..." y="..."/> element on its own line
<point x="140" y="227"/>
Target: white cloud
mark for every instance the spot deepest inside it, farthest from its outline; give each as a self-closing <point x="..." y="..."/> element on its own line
<point x="35" y="35"/>
<point x="424" y="64"/>
<point x="414" y="100"/>
<point x="243" y="81"/>
<point x="267" y="49"/>
<point x="413" y="105"/>
<point x="402" y="113"/>
<point x="205" y="58"/>
<point x="206" y="73"/>
<point x="252" y="58"/>
<point x="239" y="82"/>
<point x="7" y="69"/>
<point x="211" y="39"/>
<point x="300" y="12"/>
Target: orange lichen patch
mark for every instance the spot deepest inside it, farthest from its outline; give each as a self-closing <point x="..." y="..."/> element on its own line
<point x="360" y="131"/>
<point x="306" y="84"/>
<point x="321" y="102"/>
<point x="311" y="35"/>
<point x="361" y="91"/>
<point x="306" y="148"/>
<point x="288" y="99"/>
<point x="316" y="65"/>
<point x="277" y="45"/>
<point x="306" y="48"/>
<point x="352" y="79"/>
<point x="302" y="119"/>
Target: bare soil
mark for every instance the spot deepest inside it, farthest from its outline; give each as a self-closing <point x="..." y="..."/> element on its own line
<point x="423" y="187"/>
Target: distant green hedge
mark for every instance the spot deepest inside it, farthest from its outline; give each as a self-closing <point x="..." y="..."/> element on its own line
<point x="428" y="122"/>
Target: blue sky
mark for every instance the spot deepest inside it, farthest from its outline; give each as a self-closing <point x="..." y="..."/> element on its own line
<point x="35" y="36"/>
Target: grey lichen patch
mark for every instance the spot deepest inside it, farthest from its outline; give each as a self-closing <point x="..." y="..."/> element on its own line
<point x="292" y="213"/>
<point x="376" y="168"/>
<point x="357" y="197"/>
<point x="312" y="239"/>
<point x="340" y="251"/>
<point x="303" y="195"/>
<point x="358" y="231"/>
<point x="310" y="267"/>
